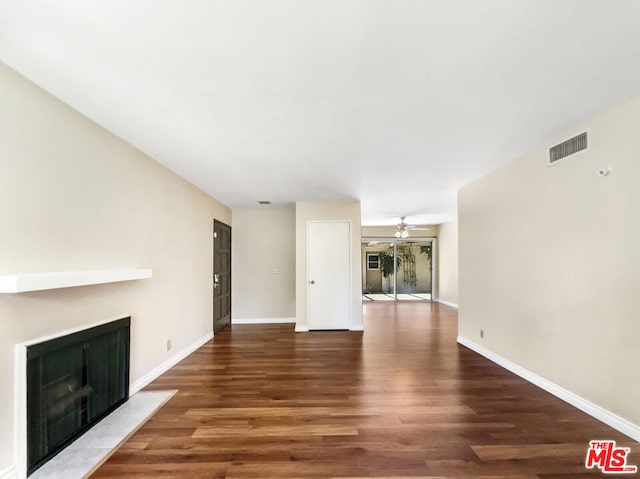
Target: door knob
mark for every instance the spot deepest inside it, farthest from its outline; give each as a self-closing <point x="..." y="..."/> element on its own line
<point x="312" y="282"/>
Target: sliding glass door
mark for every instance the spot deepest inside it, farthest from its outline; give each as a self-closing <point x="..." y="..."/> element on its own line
<point x="396" y="269"/>
<point x="414" y="270"/>
<point x="378" y="271"/>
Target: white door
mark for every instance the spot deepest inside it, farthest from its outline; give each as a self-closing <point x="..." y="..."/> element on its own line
<point x="329" y="274"/>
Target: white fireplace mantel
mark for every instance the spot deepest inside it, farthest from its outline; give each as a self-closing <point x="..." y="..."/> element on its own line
<point x="22" y="283"/>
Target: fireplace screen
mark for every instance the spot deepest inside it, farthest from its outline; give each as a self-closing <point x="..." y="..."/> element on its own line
<point x="73" y="382"/>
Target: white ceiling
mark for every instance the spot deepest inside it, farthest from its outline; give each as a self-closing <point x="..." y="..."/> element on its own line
<point x="396" y="103"/>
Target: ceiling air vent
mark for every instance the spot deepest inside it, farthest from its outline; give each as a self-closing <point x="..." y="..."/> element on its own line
<point x="567" y="148"/>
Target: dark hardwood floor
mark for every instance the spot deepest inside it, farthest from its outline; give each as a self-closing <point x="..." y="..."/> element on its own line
<point x="401" y="400"/>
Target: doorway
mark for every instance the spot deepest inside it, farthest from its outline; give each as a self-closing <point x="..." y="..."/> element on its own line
<point x="397" y="269"/>
<point x="221" y="275"/>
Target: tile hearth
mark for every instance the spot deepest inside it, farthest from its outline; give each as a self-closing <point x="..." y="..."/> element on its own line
<point x="91" y="449"/>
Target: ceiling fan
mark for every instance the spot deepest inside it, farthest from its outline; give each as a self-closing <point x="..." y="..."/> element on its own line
<point x="404" y="228"/>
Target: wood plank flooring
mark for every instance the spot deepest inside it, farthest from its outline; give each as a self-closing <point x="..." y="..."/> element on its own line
<point x="401" y="400"/>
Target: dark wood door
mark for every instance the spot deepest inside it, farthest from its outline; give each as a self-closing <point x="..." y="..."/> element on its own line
<point x="221" y="275"/>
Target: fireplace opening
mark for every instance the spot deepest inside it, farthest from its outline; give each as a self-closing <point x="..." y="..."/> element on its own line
<point x="73" y="382"/>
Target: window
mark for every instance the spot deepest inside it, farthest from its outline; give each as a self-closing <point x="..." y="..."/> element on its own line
<point x="373" y="261"/>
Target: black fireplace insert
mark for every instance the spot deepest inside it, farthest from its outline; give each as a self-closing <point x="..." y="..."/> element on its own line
<point x="73" y="382"/>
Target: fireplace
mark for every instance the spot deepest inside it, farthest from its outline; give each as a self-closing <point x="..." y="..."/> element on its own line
<point x="72" y="382"/>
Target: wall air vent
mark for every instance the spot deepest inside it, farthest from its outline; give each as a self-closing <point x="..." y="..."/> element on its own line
<point x="567" y="148"/>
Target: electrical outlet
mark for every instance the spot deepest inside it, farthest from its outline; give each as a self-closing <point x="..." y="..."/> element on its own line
<point x="482" y="333"/>
<point x="168" y="345"/>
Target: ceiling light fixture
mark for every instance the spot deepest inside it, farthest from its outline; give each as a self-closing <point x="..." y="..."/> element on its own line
<point x="403" y="229"/>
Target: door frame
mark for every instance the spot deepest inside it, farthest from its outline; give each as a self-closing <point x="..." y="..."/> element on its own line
<point x="213" y="309"/>
<point x="308" y="279"/>
<point x="433" y="264"/>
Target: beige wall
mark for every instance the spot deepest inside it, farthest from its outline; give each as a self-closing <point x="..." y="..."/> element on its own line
<point x="264" y="263"/>
<point x="550" y="264"/>
<point x="306" y="211"/>
<point x="447" y="262"/>
<point x="73" y="196"/>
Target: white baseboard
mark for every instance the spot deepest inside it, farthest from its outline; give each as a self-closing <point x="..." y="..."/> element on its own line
<point x="263" y="320"/>
<point x="168" y="364"/>
<point x="8" y="473"/>
<point x="446" y="303"/>
<point x="598" y="412"/>
<point x="357" y="327"/>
